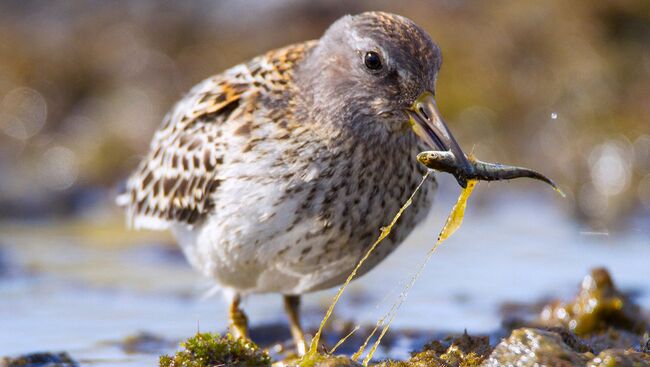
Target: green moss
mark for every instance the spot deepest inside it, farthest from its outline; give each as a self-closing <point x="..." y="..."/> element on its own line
<point x="212" y="350"/>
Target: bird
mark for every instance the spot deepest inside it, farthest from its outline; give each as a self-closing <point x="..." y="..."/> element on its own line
<point x="276" y="175"/>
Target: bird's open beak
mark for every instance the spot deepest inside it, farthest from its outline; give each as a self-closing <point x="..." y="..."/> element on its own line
<point x="427" y="123"/>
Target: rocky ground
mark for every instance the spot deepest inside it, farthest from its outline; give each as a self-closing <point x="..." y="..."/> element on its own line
<point x="600" y="327"/>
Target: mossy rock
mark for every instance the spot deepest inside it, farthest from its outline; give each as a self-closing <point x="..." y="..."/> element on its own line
<point x="463" y="351"/>
<point x="429" y="358"/>
<point x="620" y="358"/>
<point x="527" y="347"/>
<point x="212" y="350"/>
<point x="319" y="360"/>
<point x="598" y="307"/>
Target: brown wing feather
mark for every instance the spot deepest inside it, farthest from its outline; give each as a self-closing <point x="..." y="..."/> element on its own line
<point x="176" y="178"/>
<point x="174" y="182"/>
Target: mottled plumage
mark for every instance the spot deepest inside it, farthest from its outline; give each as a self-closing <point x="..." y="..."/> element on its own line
<point x="174" y="183"/>
<point x="277" y="174"/>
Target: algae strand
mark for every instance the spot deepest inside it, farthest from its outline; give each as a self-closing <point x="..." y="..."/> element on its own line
<point x="385" y="231"/>
<point x="454" y="221"/>
<point x="338" y="344"/>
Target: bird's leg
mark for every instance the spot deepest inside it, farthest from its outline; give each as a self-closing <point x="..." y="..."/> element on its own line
<point x="237" y="318"/>
<point x="292" y="307"/>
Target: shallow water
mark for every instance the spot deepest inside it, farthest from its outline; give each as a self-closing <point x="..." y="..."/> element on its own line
<point x="64" y="289"/>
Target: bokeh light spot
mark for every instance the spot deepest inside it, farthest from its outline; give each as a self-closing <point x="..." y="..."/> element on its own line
<point x="59" y="168"/>
<point x="610" y="169"/>
<point x="23" y="112"/>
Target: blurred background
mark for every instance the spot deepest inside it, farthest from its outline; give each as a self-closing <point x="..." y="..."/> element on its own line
<point x="562" y="87"/>
<point x="559" y="86"/>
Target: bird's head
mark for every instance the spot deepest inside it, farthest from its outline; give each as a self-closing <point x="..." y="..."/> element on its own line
<point x="375" y="73"/>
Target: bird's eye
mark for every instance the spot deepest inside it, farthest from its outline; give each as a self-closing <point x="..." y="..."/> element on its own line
<point x="372" y="60"/>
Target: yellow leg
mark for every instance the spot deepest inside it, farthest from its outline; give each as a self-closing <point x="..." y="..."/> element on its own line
<point x="292" y="307"/>
<point x="237" y="319"/>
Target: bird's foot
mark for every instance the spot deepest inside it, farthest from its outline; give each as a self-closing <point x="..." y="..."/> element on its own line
<point x="237" y="320"/>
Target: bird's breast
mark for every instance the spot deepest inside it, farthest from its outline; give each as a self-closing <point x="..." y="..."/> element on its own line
<point x="297" y="217"/>
<point x="356" y="189"/>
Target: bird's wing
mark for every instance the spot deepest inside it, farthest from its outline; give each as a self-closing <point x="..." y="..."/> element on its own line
<point x="174" y="182"/>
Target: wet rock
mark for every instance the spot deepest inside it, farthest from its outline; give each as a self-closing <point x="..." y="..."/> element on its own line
<point x="211" y="350"/>
<point x="598" y="307"/>
<point x="573" y="341"/>
<point x="40" y="360"/>
<point x="614" y="338"/>
<point x="145" y="343"/>
<point x="600" y="327"/>
<point x="535" y="347"/>
<point x="463" y="351"/>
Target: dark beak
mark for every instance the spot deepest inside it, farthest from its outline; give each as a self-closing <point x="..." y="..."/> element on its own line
<point x="429" y="125"/>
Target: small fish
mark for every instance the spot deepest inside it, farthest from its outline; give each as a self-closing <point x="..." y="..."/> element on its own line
<point x="445" y="161"/>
